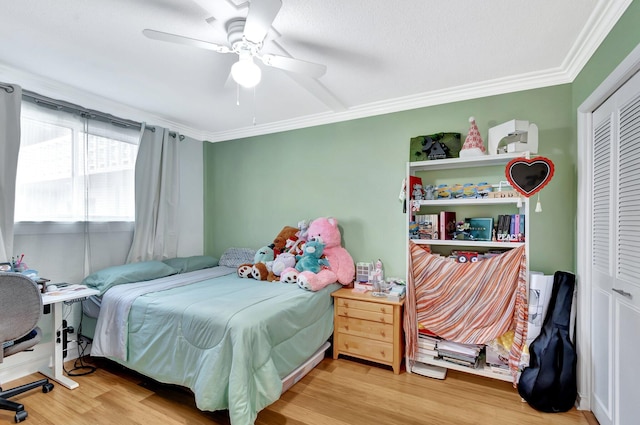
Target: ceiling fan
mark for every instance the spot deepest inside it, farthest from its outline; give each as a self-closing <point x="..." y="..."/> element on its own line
<point x="246" y="36"/>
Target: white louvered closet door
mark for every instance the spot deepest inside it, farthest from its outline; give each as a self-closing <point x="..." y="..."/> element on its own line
<point x="615" y="257"/>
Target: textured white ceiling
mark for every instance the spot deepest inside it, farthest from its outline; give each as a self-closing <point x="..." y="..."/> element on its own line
<point x="381" y="56"/>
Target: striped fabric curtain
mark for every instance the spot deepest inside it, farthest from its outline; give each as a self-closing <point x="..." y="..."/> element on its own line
<point x="471" y="303"/>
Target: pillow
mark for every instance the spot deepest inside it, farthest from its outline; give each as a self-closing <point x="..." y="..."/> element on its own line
<point x="104" y="279"/>
<point x="190" y="264"/>
<point x="233" y="257"/>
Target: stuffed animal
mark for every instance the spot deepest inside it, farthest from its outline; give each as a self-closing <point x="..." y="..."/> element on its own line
<point x="263" y="255"/>
<point x="278" y="246"/>
<point x="312" y="260"/>
<point x="300" y="238"/>
<point x="282" y="262"/>
<point x="271" y="270"/>
<point x="280" y="241"/>
<point x="341" y="267"/>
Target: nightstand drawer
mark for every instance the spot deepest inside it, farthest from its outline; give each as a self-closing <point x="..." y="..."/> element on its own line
<point x="365" y="328"/>
<point x="364" y="348"/>
<point x="347" y="304"/>
<point x="363" y="310"/>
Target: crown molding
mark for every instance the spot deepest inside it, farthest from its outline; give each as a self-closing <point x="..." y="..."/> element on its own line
<point x="602" y="20"/>
<point x="600" y="23"/>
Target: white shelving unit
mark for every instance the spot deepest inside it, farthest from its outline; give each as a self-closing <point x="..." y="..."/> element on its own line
<point x="428" y="171"/>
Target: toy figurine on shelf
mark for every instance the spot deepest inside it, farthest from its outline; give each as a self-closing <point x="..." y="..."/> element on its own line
<point x="430" y="192"/>
<point x="418" y="193"/>
<point x="463" y="231"/>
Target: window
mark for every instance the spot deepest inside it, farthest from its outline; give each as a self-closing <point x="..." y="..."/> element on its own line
<point x="74" y="168"/>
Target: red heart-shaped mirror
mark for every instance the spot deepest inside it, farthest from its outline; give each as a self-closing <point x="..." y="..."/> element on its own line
<point x="528" y="176"/>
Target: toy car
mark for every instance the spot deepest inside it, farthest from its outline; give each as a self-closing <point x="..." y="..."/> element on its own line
<point x="467" y="256"/>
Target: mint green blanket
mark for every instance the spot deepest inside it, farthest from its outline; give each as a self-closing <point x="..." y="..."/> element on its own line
<point x="229" y="340"/>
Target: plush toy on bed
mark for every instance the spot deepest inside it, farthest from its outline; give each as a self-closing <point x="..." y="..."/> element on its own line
<point x="297" y="243"/>
<point x="280" y="264"/>
<point x="263" y="255"/>
<point x="312" y="260"/>
<point x="341" y="267"/>
<point x="261" y="267"/>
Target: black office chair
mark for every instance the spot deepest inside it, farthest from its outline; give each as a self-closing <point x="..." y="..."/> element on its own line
<point x="20" y="310"/>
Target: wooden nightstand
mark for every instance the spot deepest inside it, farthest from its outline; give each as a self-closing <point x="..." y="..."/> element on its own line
<point x="368" y="327"/>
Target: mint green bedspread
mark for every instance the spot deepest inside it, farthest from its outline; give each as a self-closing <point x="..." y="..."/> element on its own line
<point x="229" y="340"/>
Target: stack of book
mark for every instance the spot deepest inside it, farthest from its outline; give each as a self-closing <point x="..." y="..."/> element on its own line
<point x="511" y="228"/>
<point x="427" y="226"/>
<point x="462" y="354"/>
<point x="427" y="348"/>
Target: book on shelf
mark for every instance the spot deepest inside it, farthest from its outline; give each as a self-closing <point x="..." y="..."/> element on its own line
<point x="480" y="228"/>
<point x="458" y="356"/>
<point x="511" y="228"/>
<point x="428" y="352"/>
<point x="471" y="364"/>
<point x="427" y="226"/>
<point x="446" y="224"/>
<point x="460" y="348"/>
<point x="504" y="227"/>
<point x="426" y="344"/>
<point x="425" y="358"/>
<point x="428" y="341"/>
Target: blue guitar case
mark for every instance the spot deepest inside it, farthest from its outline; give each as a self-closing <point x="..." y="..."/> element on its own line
<point x="549" y="383"/>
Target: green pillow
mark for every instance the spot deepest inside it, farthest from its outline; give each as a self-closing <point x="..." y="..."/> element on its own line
<point x="104" y="279"/>
<point x="193" y="263"/>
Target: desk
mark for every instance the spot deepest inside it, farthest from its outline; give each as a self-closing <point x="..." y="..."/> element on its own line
<point x="57" y="298"/>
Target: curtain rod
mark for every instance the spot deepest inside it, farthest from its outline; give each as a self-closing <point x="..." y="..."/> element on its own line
<point x="7" y="87"/>
<point x="61" y="105"/>
<point x="48" y="102"/>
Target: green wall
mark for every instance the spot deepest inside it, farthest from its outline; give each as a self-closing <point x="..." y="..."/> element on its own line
<point x="353" y="170"/>
<point x="620" y="41"/>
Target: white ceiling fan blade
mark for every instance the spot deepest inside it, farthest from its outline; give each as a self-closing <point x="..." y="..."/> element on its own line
<point x="179" y="39"/>
<point x="311" y="69"/>
<point x="260" y="17"/>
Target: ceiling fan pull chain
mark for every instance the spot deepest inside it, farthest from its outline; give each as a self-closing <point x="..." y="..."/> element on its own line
<point x="237" y="94"/>
<point x="254" y="106"/>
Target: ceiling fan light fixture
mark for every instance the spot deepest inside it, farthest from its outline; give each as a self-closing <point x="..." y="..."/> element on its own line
<point x="246" y="73"/>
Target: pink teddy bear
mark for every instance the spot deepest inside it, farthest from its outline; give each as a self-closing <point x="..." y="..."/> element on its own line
<point x="341" y="266"/>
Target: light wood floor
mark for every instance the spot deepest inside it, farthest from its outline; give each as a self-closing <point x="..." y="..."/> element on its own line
<point x="336" y="392"/>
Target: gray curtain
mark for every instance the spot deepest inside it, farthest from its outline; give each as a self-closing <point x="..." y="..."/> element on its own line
<point x="10" y="101"/>
<point x="157" y="195"/>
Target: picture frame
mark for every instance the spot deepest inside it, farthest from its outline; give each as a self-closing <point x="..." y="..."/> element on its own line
<point x="6" y="267"/>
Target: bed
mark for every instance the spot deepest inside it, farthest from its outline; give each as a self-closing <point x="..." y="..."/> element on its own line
<point x="237" y="344"/>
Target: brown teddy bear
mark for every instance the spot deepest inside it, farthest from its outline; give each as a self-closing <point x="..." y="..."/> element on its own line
<point x="260" y="270"/>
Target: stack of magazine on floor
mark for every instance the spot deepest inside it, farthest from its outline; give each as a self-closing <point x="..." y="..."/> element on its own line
<point x="462" y="354"/>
